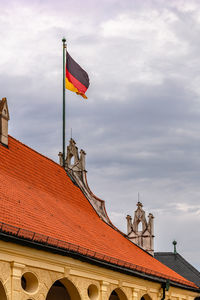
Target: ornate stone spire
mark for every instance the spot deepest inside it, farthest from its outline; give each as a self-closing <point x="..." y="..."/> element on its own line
<point x="4" y="118"/>
<point x="142" y="237"/>
<point x="75" y="162"/>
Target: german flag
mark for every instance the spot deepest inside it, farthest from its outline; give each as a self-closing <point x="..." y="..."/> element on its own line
<point x="77" y="79"/>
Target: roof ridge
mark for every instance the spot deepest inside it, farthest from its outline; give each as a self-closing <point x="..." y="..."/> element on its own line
<point x="163" y="253"/>
<point x="185" y="262"/>
<point x="51" y="160"/>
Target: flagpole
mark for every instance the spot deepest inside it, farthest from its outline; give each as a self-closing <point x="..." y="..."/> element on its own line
<point x="64" y="71"/>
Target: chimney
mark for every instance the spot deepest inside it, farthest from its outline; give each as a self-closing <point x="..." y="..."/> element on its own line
<point x="4" y="118"/>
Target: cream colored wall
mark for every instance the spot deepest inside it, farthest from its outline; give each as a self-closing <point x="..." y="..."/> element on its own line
<point x="16" y="260"/>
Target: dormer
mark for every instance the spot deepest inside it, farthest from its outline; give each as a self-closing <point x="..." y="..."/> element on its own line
<point x="4" y="118"/>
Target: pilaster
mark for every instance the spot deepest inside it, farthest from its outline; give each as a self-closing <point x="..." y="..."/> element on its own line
<point x="104" y="289"/>
<point x="135" y="294"/>
<point x="16" y="274"/>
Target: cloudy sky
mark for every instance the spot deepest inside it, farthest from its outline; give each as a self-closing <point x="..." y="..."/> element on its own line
<point x="140" y="126"/>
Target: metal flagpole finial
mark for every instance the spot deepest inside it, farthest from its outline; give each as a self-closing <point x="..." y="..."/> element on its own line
<point x="64" y="40"/>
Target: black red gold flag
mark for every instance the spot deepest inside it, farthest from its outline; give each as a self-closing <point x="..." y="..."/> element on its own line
<point x="77" y="79"/>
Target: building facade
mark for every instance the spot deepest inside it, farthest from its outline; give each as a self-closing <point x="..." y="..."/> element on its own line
<point x="28" y="273"/>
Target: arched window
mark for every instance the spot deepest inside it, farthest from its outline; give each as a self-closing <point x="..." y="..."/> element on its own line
<point x="72" y="161"/>
<point x="2" y="292"/>
<point x="63" y="289"/>
<point x="140" y="228"/>
<point x="146" y="297"/>
<point x="118" y="294"/>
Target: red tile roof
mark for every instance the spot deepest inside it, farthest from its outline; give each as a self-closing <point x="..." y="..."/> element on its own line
<point x="36" y="194"/>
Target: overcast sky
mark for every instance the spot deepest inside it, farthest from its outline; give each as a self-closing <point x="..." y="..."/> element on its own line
<point x="140" y="126"/>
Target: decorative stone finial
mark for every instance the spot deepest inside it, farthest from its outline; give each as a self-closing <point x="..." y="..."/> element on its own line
<point x="60" y="155"/>
<point x="139" y="204"/>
